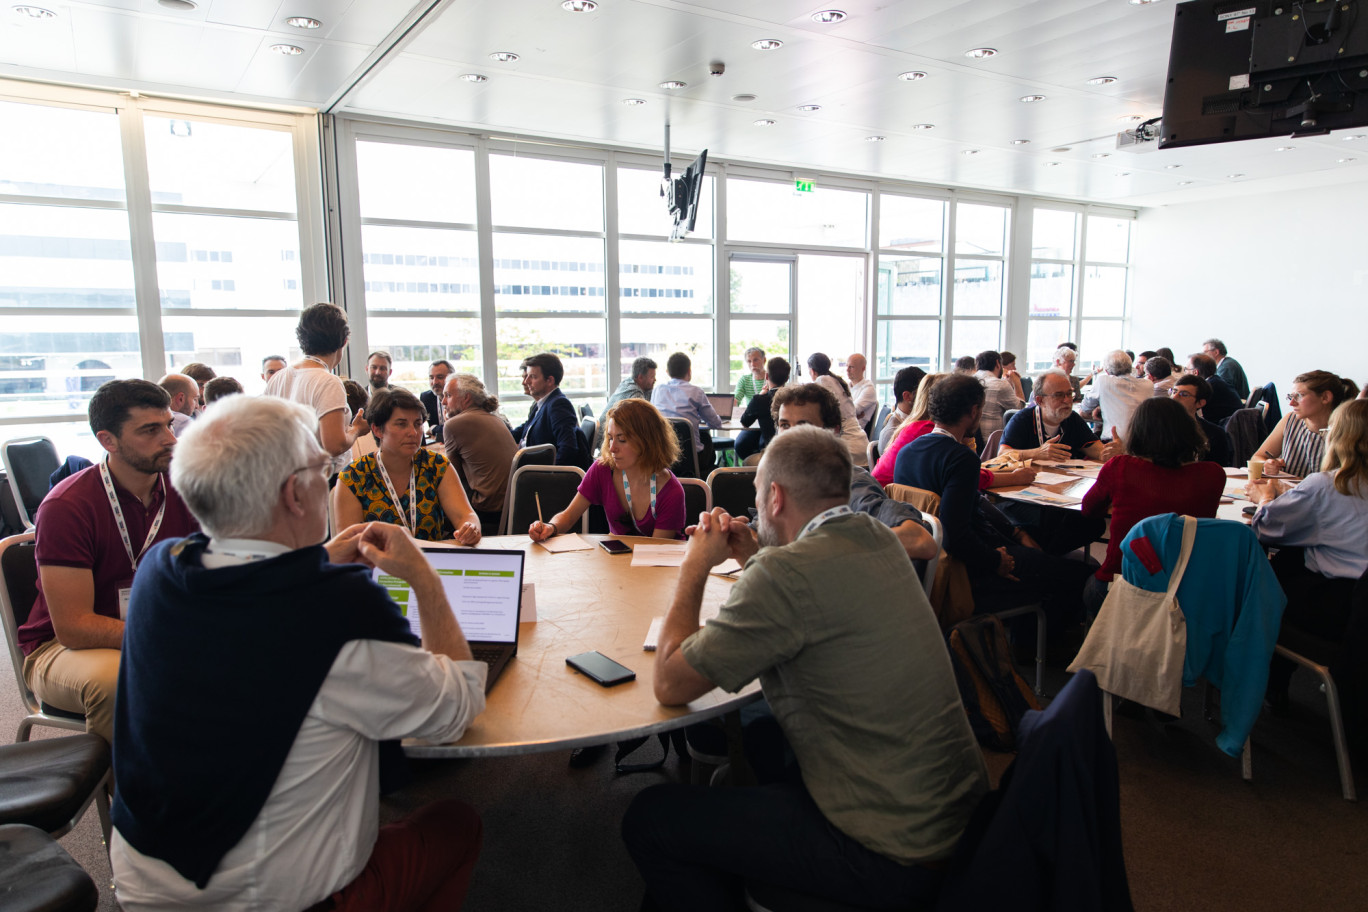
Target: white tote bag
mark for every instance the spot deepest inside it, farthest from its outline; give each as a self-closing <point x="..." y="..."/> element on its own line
<point x="1137" y="643"/>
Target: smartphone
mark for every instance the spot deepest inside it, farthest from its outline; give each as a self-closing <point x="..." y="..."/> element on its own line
<point x="613" y="546"/>
<point x="1250" y="510"/>
<point x="601" y="668"/>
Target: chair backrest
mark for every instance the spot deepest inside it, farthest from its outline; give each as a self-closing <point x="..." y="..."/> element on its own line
<point x="872" y="450"/>
<point x="588" y="431"/>
<point x="733" y="489"/>
<point x="992" y="445"/>
<point x="553" y="486"/>
<point x="884" y="412"/>
<point x="585" y="411"/>
<point x="937" y="533"/>
<point x="926" y="501"/>
<point x="18" y="590"/>
<point x="29" y="463"/>
<point x="1007" y="415"/>
<point x="687" y="464"/>
<point x="1245" y="428"/>
<point x="543" y="454"/>
<point x="1027" y="384"/>
<point x="697" y="499"/>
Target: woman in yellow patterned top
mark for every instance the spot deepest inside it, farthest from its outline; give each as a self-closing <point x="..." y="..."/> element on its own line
<point x="401" y="482"/>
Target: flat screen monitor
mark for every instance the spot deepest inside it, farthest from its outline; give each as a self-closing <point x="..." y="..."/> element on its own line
<point x="1246" y="69"/>
<point x="685" y="192"/>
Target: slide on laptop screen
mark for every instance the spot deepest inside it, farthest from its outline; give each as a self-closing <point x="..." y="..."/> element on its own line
<point x="483" y="587"/>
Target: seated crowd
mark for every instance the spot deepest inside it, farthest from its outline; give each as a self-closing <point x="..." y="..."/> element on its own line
<point x="149" y="563"/>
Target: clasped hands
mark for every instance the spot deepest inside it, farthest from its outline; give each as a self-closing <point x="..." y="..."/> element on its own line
<point x="718" y="536"/>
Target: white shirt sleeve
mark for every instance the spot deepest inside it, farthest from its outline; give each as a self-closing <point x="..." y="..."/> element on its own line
<point x="866" y="404"/>
<point x="389" y="690"/>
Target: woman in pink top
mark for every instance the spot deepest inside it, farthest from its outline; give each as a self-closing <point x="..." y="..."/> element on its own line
<point x="631" y="479"/>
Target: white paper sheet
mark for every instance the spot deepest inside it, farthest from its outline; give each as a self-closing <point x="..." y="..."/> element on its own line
<point x="1049" y="478"/>
<point x="668" y="555"/>
<point x="557" y="544"/>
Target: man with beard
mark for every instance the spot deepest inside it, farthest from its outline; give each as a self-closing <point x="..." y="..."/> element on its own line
<point x="379" y="366"/>
<point x="831" y="618"/>
<point x="1050" y="429"/>
<point x="91" y="531"/>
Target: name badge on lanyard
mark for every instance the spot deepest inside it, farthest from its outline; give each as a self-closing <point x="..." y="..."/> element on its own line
<point x="412" y="522"/>
<point x="627" y="491"/>
<point x="123" y="526"/>
<point x="816" y="521"/>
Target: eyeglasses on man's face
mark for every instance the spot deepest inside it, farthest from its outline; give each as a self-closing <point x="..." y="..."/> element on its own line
<point x="1059" y="396"/>
<point x="1179" y="393"/>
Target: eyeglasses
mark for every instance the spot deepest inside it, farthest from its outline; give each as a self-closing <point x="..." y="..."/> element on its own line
<point x="325" y="469"/>
<point x="1177" y="393"/>
<point x="1294" y="398"/>
<point x="1059" y="396"/>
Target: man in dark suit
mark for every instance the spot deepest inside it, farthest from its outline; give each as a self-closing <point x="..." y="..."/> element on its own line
<point x="438" y="371"/>
<point x="1223" y="401"/>
<point x="552" y="418"/>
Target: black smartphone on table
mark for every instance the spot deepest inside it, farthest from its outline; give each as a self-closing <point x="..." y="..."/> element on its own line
<point x="600" y="668"/>
<point x="613" y="546"/>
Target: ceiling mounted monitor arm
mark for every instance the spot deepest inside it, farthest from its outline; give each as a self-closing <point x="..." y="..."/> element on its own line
<point x="665" y="181"/>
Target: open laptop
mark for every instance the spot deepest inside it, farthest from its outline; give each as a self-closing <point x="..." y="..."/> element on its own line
<point x="484" y="589"/>
<point x="722" y="403"/>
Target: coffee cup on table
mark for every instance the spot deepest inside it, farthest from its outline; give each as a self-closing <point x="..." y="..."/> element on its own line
<point x="1256" y="467"/>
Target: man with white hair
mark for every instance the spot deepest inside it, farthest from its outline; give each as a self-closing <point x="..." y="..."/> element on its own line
<point x="184" y="393"/>
<point x="1115" y="395"/>
<point x="1065" y="360"/>
<point x="261" y="672"/>
<point x="831" y="619"/>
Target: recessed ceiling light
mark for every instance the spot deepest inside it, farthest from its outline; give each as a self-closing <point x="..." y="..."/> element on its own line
<point x="981" y="53"/>
<point x="808" y="109"/>
<point x="303" y="22"/>
<point x="634" y="102"/>
<point x="827" y="17"/>
<point x="970" y="152"/>
<point x="1234" y="176"/>
<point x="911" y="75"/>
<point x="183" y="6"/>
<point x="1102" y="80"/>
<point x="923" y="126"/>
<point x="1184" y="183"/>
<point x="34" y="12"/>
<point x="673" y="84"/>
<point x="1172" y="167"/>
<point x="1051" y="164"/>
<point x="1131" y="118"/>
<point x="767" y="44"/>
<point x="1344" y="161"/>
<point x="1141" y="2"/>
<point x="875" y="138"/>
<point x="1284" y="148"/>
<point x="1351" y="137"/>
<point x="763" y="122"/>
<point x="1030" y="99"/>
<point x="1123" y="174"/>
<point x="744" y="98"/>
<point x="1062" y="149"/>
<point x="1020" y="142"/>
<point x="474" y="77"/>
<point x="289" y="50"/>
<point x="1100" y="155"/>
<point x="503" y="56"/>
<point x="579" y="6"/>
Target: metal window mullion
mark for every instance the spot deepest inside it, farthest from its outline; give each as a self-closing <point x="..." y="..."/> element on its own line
<point x="67" y="202"/>
<point x="1017" y="307"/>
<point x="225" y="312"/>
<point x="548" y="315"/>
<point x="1082" y="268"/>
<point x="25" y="311"/>
<point x="142" y="240"/>
<point x="311" y="219"/>
<point x="948" y="281"/>
<point x="611" y="280"/>
<point x="421" y="314"/>
<point x="867" y="315"/>
<point x="68" y="418"/>
<point x="427" y="224"/>
<point x="484" y="243"/>
<point x="348" y="278"/>
<point x="224" y="212"/>
<point x="722" y="314"/>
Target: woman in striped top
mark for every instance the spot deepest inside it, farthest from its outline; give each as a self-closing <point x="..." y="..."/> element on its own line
<point x="1297" y="444"/>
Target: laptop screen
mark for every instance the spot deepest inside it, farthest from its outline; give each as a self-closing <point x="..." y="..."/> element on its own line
<point x="483" y="587"/>
<point x="722" y="403"/>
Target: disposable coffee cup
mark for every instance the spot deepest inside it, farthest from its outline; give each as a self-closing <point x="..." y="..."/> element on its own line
<point x="1256" y="469"/>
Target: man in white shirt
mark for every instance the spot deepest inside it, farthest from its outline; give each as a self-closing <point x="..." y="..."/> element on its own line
<point x="678" y="397"/>
<point x="1115" y="394"/>
<point x="184" y="393"/>
<point x="862" y="390"/>
<point x="261" y="672"/>
<point x="1000" y="397"/>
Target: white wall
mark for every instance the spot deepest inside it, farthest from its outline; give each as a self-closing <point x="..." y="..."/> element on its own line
<point x="1281" y="278"/>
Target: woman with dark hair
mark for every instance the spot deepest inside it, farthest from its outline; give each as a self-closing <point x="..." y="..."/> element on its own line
<point x="402" y="483"/>
<point x="1297" y="444"/>
<point x="322" y="333"/>
<point x="1166" y="354"/>
<point x="819" y="368"/>
<point x="1319" y="528"/>
<point x="639" y="446"/>
<point x="1160" y="472"/>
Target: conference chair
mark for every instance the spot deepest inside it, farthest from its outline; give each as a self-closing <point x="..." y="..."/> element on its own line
<point x="733" y="489"/>
<point x="37" y="875"/>
<point x="1320" y="656"/>
<point x="588" y="431"/>
<point x="51" y="782"/>
<point x="29" y="463"/>
<point x="543" y="454"/>
<point x="929" y="574"/>
<point x="879" y="419"/>
<point x="1008" y="413"/>
<point x="991" y="446"/>
<point x="585" y="411"/>
<point x="554" y="486"/>
<point x="1026" y="386"/>
<point x="687" y="464"/>
<point x="697" y="499"/>
<point x="18" y="590"/>
<point x="872" y="452"/>
<point x="1245" y="428"/>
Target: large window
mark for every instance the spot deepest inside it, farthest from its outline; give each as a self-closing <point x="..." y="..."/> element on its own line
<point x="910" y="290"/>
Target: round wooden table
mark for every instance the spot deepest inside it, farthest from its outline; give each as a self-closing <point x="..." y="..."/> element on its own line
<point x="586" y="600"/>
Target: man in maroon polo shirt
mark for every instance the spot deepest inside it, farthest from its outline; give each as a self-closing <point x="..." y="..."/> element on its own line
<point x="90" y="532"/>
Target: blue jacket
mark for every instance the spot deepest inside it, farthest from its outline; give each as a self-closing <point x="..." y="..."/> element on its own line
<point x="1233" y="606"/>
<point x="554" y="422"/>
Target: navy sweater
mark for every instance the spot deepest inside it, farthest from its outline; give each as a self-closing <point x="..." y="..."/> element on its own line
<point x="219" y="669"/>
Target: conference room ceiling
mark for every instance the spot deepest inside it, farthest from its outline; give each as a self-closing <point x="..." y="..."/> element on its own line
<point x="574" y="70"/>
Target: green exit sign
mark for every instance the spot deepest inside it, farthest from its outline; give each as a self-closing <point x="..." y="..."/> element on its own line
<point x="803" y="186"/>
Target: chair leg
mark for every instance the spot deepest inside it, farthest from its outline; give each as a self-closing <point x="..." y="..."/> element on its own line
<point x="1040" y="652"/>
<point x="102" y="808"/>
<point x="25" y="729"/>
<point x="1108" y="700"/>
<point x="1247" y="762"/>
<point x="1337" y="729"/>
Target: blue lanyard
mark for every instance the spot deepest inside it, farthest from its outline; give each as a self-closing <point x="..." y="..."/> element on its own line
<point x="627" y="491"/>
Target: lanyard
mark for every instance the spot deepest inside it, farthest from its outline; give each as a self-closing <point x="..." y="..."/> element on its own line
<point x="822" y="517"/>
<point x="119" y="517"/>
<point x="627" y="490"/>
<point x="394" y="498"/>
<point x="319" y="361"/>
<point x="1040" y="426"/>
<point x="944" y="433"/>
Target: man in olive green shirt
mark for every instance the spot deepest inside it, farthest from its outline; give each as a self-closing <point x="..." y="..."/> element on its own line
<point x="831" y="618"/>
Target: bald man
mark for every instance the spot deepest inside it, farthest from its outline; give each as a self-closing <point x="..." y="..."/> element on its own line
<point x="184" y="393"/>
<point x="861" y="390"/>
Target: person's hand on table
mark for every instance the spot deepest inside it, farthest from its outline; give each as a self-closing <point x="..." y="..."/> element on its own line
<point x="1006" y="565"/>
<point x="342" y="548"/>
<point x="540" y="531"/>
<point x="468" y="533"/>
<point x="390" y="548"/>
<point x="1262" y="491"/>
<point x="716" y="536"/>
<point x="1019" y="476"/>
<point x="1273" y="466"/>
<point x="1051" y="451"/>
